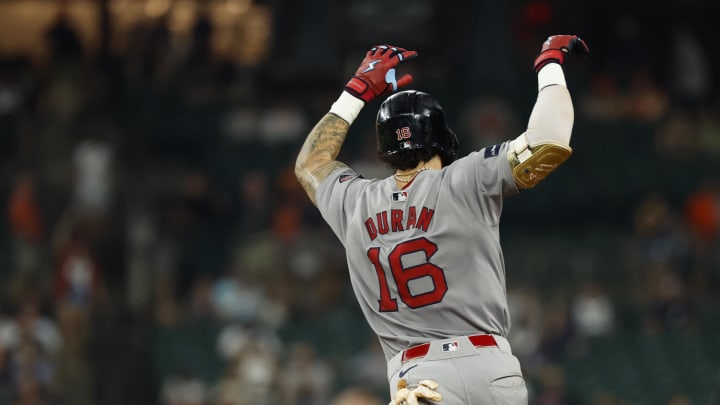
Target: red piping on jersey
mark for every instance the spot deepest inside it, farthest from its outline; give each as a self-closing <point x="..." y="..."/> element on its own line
<point x="423" y="349"/>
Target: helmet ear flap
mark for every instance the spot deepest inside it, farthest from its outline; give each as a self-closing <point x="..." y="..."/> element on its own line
<point x="451" y="153"/>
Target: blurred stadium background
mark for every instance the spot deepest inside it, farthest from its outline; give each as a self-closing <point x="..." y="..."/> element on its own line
<point x="155" y="247"/>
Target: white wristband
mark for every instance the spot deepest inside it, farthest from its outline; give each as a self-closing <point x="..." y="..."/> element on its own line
<point x="347" y="107"/>
<point x="551" y="74"/>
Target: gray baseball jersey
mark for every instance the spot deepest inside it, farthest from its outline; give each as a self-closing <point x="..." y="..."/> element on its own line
<point x="425" y="261"/>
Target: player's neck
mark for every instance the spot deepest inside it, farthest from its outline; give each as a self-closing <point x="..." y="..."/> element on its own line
<point x="403" y="177"/>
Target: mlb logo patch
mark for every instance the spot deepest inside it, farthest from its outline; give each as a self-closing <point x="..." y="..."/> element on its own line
<point x="451" y="346"/>
<point x="399" y="196"/>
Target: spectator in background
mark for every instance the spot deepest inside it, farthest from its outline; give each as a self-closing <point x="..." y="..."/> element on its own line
<point x="78" y="276"/>
<point x="690" y="71"/>
<point x="648" y="102"/>
<point x="26" y="225"/>
<point x="6" y="386"/>
<point x="660" y="265"/>
<point x="183" y="390"/>
<point x="202" y="220"/>
<point x="250" y="376"/>
<point x="33" y="374"/>
<point x="201" y="306"/>
<point x="282" y="122"/>
<point x="30" y="392"/>
<point x="362" y="368"/>
<point x="93" y="182"/>
<point x="167" y="310"/>
<point x="355" y="396"/>
<point x="553" y="389"/>
<point x="715" y="395"/>
<point x="708" y="133"/>
<point x="606" y="398"/>
<point x="16" y="81"/>
<point x="679" y="398"/>
<point x="63" y="42"/>
<point x="255" y="209"/>
<point x="643" y="101"/>
<point x="604" y="101"/>
<point x="702" y="218"/>
<point x="30" y="325"/>
<point x="75" y="375"/>
<point x="669" y="307"/>
<point x="526" y="316"/>
<point x="592" y="311"/>
<point x="658" y="237"/>
<point x="305" y="379"/>
<point x="702" y="213"/>
<point x="235" y="300"/>
<point x="675" y="138"/>
<point x="557" y="332"/>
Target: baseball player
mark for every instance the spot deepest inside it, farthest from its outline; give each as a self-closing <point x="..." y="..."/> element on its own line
<point x="422" y="245"/>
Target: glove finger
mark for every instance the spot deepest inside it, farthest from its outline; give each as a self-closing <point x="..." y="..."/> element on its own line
<point x="397" y="51"/>
<point x="582" y="46"/>
<point x="405" y="55"/>
<point x="404" y="80"/>
<point x="391" y="80"/>
<point x="394" y="50"/>
<point x="429" y="383"/>
<point x="425" y="392"/>
<point x="401" y="395"/>
<point x="576" y="45"/>
<point x="412" y="399"/>
<point x="377" y="50"/>
<point x="382" y="49"/>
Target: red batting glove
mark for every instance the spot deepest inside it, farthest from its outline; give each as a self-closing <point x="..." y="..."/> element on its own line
<point x="376" y="74"/>
<point x="556" y="47"/>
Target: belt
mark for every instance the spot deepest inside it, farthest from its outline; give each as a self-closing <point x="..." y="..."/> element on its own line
<point x="419" y="351"/>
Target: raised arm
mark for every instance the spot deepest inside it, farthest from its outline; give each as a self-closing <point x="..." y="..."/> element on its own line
<point x="546" y="143"/>
<point x="375" y="77"/>
<point x="316" y="159"/>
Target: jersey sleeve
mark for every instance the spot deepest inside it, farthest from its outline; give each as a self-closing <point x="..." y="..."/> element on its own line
<point x="482" y="180"/>
<point x="337" y="196"/>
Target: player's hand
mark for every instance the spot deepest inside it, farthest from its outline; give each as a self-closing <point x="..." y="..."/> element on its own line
<point x="425" y="389"/>
<point x="557" y="47"/>
<point x="376" y="74"/>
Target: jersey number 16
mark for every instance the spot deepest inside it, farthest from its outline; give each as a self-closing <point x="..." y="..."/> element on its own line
<point x="403" y="275"/>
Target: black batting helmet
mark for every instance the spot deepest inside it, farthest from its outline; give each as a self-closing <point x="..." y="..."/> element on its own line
<point x="413" y="120"/>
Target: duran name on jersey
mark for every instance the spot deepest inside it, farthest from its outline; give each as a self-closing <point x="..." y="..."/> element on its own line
<point x="397" y="220"/>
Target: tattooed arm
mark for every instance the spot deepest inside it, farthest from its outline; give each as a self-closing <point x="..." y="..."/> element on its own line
<point x="317" y="157"/>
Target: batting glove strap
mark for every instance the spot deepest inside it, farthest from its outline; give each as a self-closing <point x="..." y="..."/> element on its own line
<point x="549" y="56"/>
<point x="359" y="88"/>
